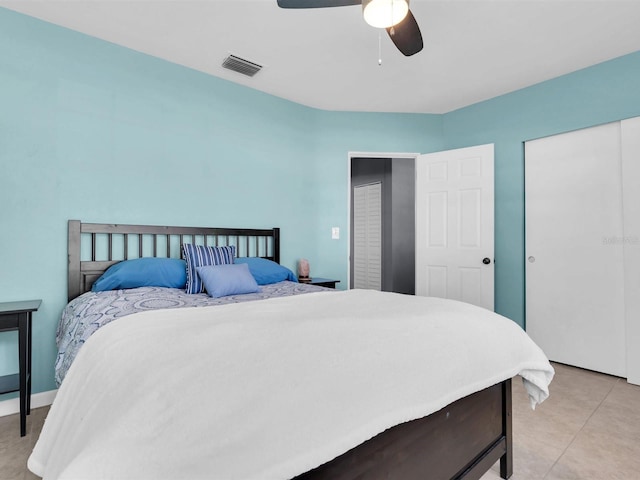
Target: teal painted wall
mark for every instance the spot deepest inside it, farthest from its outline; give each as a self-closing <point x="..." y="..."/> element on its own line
<point x="100" y="133"/>
<point x="340" y="133"/>
<point x="600" y="94"/>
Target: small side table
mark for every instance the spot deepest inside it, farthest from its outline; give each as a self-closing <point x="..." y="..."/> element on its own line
<point x="322" y="282"/>
<point x="17" y="316"/>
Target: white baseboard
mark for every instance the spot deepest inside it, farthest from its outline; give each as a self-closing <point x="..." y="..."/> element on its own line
<point x="9" y="407"/>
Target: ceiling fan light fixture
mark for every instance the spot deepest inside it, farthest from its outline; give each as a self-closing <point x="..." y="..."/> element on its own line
<point x="384" y="13"/>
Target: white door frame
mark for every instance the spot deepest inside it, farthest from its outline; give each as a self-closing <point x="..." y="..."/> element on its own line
<point x="350" y="156"/>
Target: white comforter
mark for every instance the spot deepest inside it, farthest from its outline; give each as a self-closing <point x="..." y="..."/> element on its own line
<point x="270" y="389"/>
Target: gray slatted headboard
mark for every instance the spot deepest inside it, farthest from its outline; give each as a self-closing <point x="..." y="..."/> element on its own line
<point x="94" y="247"/>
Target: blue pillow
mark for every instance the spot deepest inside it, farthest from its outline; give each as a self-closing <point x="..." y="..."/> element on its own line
<point x="199" y="256"/>
<point x="223" y="280"/>
<point x="267" y="271"/>
<point x="143" y="272"/>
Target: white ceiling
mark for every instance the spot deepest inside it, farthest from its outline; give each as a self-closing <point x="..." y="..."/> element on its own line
<point x="328" y="58"/>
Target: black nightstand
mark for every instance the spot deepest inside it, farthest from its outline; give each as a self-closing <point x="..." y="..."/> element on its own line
<point x="17" y="316"/>
<point x="322" y="282"/>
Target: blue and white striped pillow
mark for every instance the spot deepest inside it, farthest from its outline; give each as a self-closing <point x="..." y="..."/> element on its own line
<point x="199" y="256"/>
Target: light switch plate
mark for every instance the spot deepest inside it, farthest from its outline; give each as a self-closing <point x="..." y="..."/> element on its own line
<point x="335" y="233"/>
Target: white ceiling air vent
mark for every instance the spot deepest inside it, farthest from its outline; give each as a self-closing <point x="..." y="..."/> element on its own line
<point x="241" y="65"/>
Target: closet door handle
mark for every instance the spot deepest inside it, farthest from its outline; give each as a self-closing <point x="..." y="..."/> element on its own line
<point x="486" y="260"/>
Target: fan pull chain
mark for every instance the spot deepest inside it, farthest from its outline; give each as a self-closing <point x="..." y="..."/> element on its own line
<point x="380" y="47"/>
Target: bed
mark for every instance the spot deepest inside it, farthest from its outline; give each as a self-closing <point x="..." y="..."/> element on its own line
<point x="267" y="389"/>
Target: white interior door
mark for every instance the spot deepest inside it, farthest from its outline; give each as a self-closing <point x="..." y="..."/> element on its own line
<point x="367" y="236"/>
<point x="574" y="232"/>
<point x="454" y="225"/>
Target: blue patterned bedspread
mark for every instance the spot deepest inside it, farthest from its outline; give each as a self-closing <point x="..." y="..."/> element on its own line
<point x="90" y="311"/>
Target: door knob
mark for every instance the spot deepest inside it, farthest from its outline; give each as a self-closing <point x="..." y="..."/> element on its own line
<point x="486" y="260"/>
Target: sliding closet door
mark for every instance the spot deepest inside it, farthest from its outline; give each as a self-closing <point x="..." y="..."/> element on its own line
<point x="631" y="242"/>
<point x="574" y="252"/>
<point x="367" y="236"/>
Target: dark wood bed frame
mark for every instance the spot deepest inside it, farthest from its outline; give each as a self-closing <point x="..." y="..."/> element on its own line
<point x="461" y="441"/>
<point x="107" y="244"/>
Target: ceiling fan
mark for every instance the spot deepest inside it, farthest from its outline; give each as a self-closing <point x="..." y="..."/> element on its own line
<point x="393" y="15"/>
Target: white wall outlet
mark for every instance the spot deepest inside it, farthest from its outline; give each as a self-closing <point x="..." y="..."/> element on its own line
<point x="335" y="233"/>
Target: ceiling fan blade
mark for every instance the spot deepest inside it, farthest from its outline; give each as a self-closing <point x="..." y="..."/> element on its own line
<point x="406" y="35"/>
<point x="317" y="3"/>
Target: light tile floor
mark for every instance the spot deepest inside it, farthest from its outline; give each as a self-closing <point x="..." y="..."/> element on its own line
<point x="15" y="450"/>
<point x="588" y="429"/>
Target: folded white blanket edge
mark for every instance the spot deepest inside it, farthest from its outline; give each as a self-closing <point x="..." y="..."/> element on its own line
<point x="105" y="426"/>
